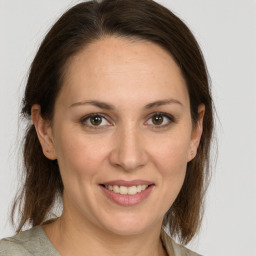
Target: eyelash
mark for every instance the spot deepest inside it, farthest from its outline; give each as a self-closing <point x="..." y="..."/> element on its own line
<point x="170" y="118"/>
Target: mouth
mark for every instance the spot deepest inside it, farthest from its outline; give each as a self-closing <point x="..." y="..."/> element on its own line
<point x="127" y="193"/>
<point x="126" y="190"/>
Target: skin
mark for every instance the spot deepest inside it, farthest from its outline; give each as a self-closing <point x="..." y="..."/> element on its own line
<point x="127" y="145"/>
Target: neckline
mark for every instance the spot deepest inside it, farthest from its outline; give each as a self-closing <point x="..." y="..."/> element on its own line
<point x="45" y="242"/>
<point x="52" y="251"/>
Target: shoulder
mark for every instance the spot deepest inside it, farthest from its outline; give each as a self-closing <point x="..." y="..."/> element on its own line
<point x="182" y="250"/>
<point x="174" y="248"/>
<point x="8" y="248"/>
<point x="15" y="245"/>
<point x="27" y="243"/>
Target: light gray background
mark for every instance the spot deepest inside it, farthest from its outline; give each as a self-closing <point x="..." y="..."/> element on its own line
<point x="226" y="31"/>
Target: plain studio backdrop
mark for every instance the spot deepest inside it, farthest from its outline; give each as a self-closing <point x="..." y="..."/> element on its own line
<point x="226" y="31"/>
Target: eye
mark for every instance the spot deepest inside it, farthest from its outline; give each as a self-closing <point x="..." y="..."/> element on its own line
<point x="95" y="121"/>
<point x="160" y="120"/>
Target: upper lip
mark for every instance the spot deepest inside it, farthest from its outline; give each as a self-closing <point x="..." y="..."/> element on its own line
<point x="127" y="183"/>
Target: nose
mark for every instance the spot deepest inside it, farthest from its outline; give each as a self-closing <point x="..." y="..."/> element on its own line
<point x="129" y="151"/>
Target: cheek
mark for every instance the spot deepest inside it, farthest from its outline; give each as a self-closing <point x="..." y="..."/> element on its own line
<point x="170" y="159"/>
<point x="77" y="155"/>
<point x="172" y="151"/>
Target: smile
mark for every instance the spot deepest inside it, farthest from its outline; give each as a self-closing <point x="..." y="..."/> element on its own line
<point x="123" y="190"/>
<point x="127" y="193"/>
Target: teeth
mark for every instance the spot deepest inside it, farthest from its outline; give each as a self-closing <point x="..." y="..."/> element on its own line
<point x="123" y="190"/>
<point x="143" y="187"/>
<point x="139" y="188"/>
<point x="116" y="189"/>
<point x="133" y="190"/>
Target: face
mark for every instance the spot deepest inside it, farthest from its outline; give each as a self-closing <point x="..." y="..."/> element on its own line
<point x="122" y="134"/>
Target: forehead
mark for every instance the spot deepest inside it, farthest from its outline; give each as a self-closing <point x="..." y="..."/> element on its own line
<point x="121" y="69"/>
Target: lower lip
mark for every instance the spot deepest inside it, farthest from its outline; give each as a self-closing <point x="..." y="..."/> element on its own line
<point x="127" y="200"/>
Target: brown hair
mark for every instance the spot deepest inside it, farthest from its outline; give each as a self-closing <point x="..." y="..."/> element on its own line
<point x="79" y="26"/>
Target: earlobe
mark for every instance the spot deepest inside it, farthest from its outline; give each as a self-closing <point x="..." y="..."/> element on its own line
<point x="44" y="132"/>
<point x="196" y="133"/>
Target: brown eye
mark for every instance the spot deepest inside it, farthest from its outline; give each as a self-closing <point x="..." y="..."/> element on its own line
<point x="160" y="120"/>
<point x="157" y="119"/>
<point x="96" y="120"/>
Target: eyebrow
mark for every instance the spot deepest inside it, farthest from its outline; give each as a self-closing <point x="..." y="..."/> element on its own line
<point x="107" y="106"/>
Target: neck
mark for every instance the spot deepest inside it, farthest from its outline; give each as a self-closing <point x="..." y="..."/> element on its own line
<point x="71" y="237"/>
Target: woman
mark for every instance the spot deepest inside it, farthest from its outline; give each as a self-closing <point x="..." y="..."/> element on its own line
<point x="122" y="122"/>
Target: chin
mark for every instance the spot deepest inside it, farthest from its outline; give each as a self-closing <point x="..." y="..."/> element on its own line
<point x="131" y="225"/>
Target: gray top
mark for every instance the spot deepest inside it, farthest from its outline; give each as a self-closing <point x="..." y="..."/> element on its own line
<point x="35" y="242"/>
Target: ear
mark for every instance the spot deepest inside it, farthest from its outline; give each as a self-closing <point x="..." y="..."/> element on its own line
<point x="196" y="133"/>
<point x="44" y="132"/>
